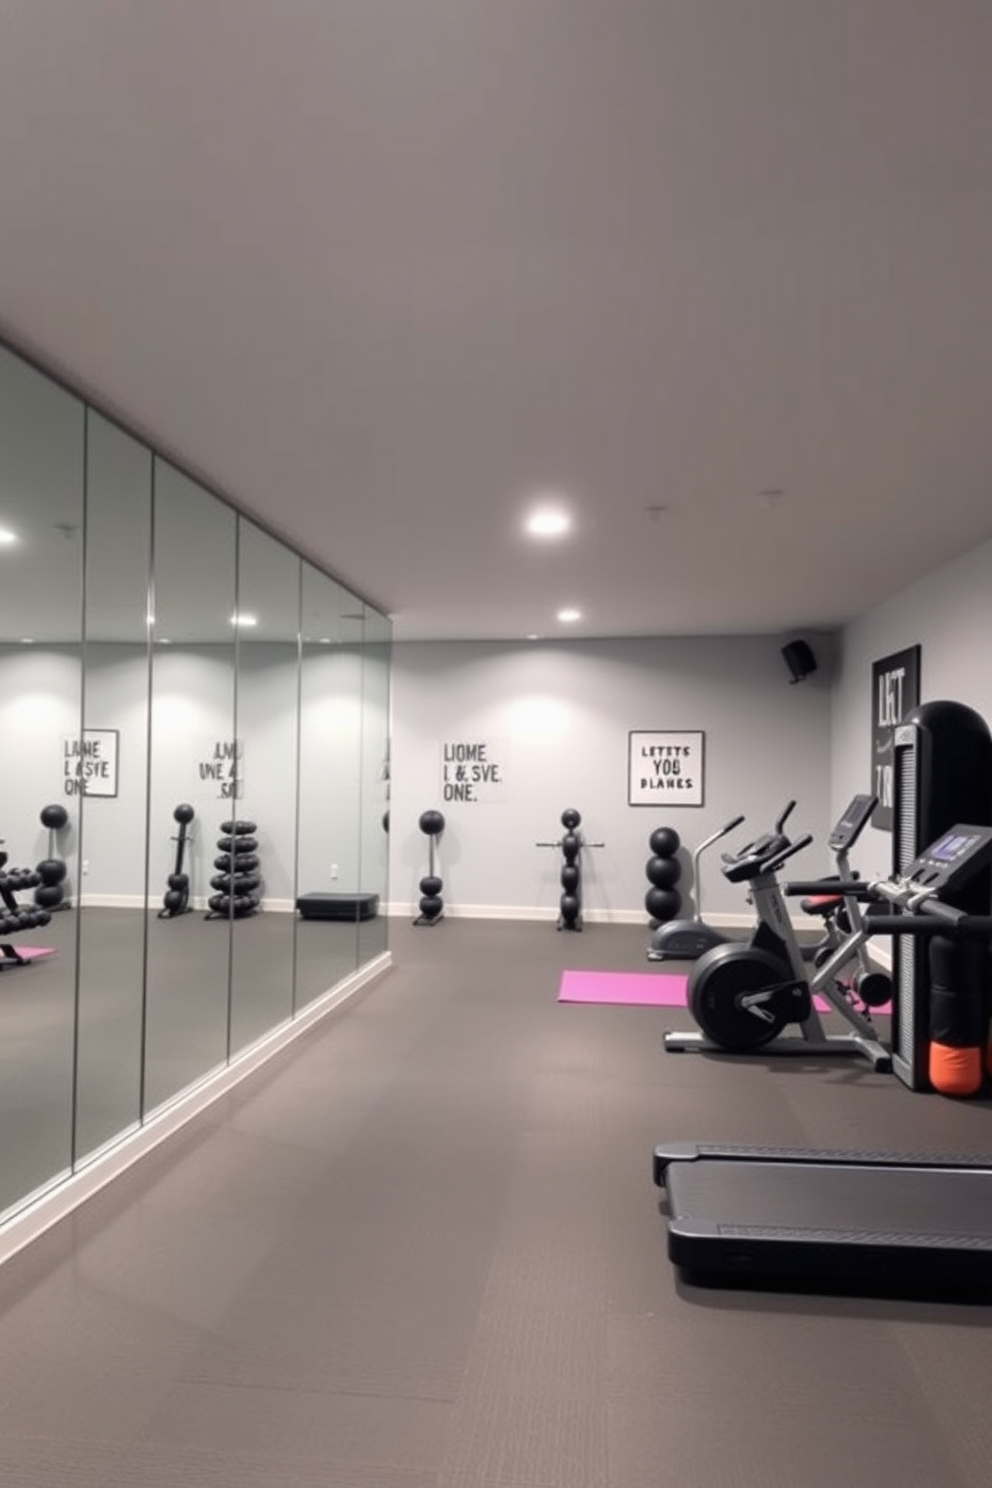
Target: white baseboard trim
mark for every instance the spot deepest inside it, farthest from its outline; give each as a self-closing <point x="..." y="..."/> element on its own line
<point x="113" y="901"/>
<point x="198" y="902"/>
<point x="67" y="1191"/>
<point x="589" y="916"/>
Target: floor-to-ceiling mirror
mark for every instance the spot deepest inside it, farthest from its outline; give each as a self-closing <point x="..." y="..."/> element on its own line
<point x="196" y="762"/>
<point x="330" y="779"/>
<point x="267" y="724"/>
<point x="194" y="732"/>
<point x="114" y="801"/>
<point x="41" y="546"/>
<point x="374" y="828"/>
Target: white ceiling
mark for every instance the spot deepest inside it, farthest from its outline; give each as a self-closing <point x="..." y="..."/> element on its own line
<point x="381" y="268"/>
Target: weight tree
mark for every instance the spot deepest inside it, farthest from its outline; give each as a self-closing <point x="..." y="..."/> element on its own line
<point x="431" y="904"/>
<point x="176" y="898"/>
<point x="52" y="870"/>
<point x="571" y="844"/>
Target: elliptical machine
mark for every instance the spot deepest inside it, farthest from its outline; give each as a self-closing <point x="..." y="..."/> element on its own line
<point x="687" y="939"/>
<point x="744" y="994"/>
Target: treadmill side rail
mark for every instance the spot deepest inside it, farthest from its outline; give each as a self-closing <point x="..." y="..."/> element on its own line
<point x="667" y="1153"/>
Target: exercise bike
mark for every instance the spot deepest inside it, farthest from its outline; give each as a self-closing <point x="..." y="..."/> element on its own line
<point x="744" y="994"/>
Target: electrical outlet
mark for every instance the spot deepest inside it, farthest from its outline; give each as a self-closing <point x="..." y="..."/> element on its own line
<point x="334" y="870"/>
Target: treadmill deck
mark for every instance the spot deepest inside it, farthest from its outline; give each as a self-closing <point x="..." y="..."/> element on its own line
<point x="840" y="1226"/>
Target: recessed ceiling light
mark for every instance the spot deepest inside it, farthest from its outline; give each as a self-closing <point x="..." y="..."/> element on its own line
<point x="7" y="537"/>
<point x="548" y="521"/>
<point x="244" y="621"/>
<point x="533" y="636"/>
<point x="325" y="640"/>
<point x="569" y="616"/>
<point x="27" y="640"/>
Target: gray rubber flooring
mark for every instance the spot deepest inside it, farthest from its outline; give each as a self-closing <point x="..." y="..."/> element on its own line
<point x="183" y="1026"/>
<point x="422" y="1249"/>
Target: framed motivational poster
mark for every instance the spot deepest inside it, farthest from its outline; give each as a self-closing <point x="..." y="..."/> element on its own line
<point x="895" y="691"/>
<point x="665" y="769"/>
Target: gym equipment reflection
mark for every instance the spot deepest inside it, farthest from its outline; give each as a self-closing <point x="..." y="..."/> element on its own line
<point x="228" y="637"/>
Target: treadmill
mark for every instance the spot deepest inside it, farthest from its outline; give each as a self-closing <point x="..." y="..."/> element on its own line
<point x="839" y="1221"/>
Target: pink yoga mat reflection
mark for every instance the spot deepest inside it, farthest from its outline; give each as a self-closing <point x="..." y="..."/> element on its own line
<point x="26" y="954"/>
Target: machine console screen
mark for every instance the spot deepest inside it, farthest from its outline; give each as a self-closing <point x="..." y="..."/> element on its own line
<point x="951" y="847"/>
<point x="955" y="856"/>
<point x="847" y="831"/>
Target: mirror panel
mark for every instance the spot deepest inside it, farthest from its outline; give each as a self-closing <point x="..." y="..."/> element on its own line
<point x="114" y="800"/>
<point x="41" y="509"/>
<point x="139" y="715"/>
<point x="330" y="782"/>
<point x="267" y="717"/>
<point x="194" y="763"/>
<point x="373" y="937"/>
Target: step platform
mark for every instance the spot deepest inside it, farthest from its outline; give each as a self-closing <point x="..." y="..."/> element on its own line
<point x="348" y="907"/>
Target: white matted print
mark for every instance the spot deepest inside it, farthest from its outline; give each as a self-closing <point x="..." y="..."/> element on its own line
<point x="665" y="769"/>
<point x="89" y="764"/>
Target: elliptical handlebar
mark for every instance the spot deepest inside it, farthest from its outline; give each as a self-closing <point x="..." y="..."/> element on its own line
<point x="715" y="836"/>
<point x="854" y="888"/>
<point x="764" y="856"/>
<point x="769" y="842"/>
<point x="786" y="813"/>
<point x="779" y="858"/>
<point x="766" y="853"/>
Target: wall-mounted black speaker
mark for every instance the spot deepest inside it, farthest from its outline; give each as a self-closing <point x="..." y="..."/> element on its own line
<point x="799" y="659"/>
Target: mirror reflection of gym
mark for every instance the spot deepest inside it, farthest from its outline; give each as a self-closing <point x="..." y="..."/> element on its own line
<point x="41" y="513"/>
<point x="112" y="929"/>
<point x="193" y="712"/>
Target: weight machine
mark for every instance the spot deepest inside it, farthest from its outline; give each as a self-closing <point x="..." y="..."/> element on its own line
<point x="851" y="1221"/>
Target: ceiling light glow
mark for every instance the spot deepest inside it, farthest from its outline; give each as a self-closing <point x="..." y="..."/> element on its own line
<point x="7" y="538"/>
<point x="548" y="521"/>
<point x="569" y="615"/>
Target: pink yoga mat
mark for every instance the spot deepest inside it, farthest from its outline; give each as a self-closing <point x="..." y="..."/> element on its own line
<point x="639" y="989"/>
<point x="628" y="988"/>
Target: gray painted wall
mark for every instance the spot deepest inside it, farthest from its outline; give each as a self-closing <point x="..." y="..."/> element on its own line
<point x="949" y="614"/>
<point x="559" y="716"/>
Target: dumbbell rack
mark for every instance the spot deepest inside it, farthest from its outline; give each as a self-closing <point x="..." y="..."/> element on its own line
<point x="236" y="882"/>
<point x="13" y="917"/>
